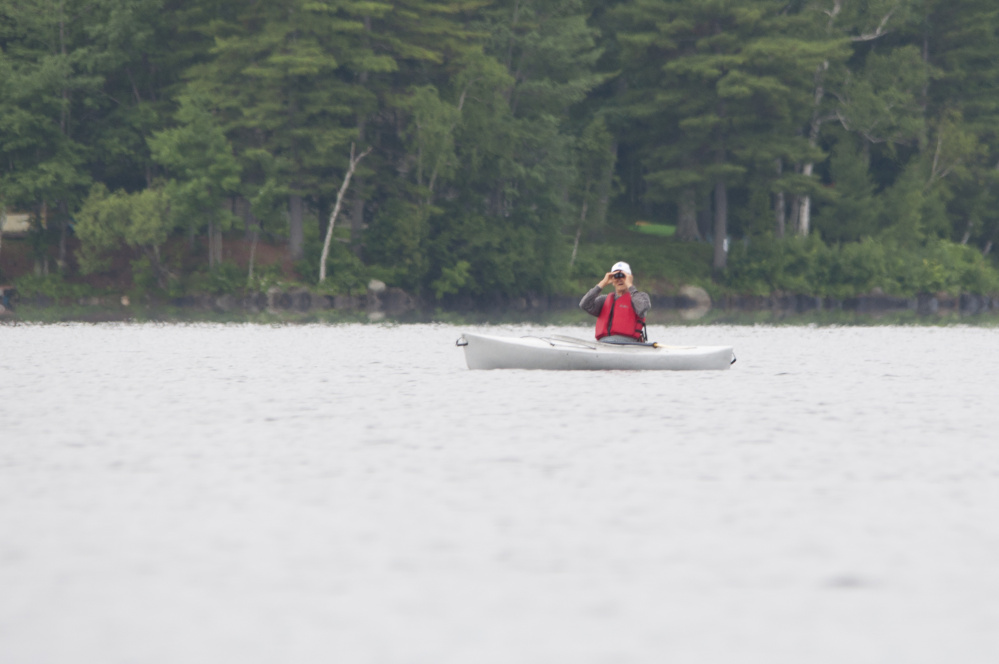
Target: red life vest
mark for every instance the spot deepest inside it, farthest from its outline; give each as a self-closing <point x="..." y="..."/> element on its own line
<point x="618" y="317"/>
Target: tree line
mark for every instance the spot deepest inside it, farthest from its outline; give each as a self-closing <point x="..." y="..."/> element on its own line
<point x="502" y="133"/>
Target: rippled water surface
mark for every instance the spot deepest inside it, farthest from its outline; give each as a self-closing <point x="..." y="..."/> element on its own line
<point x="354" y="494"/>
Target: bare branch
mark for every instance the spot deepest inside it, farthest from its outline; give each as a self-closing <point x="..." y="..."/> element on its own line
<point x="834" y="12"/>
<point x="936" y="159"/>
<point x="878" y="32"/>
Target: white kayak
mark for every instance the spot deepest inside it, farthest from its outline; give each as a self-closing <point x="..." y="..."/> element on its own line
<point x="483" y="351"/>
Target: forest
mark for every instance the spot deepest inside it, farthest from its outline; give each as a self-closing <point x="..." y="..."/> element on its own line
<point x="497" y="148"/>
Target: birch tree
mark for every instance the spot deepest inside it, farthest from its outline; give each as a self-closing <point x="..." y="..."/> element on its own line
<point x="283" y="77"/>
<point x="351" y="167"/>
<point x="865" y="99"/>
<point x="960" y="40"/>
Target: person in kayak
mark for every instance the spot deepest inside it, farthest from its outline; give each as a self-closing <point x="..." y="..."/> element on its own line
<point x="621" y="314"/>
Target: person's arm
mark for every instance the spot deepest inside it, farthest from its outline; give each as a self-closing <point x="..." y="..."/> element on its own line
<point x="640" y="301"/>
<point x="593" y="301"/>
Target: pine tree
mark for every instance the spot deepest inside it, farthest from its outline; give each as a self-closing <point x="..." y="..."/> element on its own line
<point x="854" y="210"/>
<point x="43" y="91"/>
<point x="714" y="88"/>
<point x="204" y="172"/>
<point x="277" y="78"/>
<point x="961" y="41"/>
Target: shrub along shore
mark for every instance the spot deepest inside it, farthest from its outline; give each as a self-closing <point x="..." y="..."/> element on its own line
<point x="791" y="277"/>
<point x="380" y="303"/>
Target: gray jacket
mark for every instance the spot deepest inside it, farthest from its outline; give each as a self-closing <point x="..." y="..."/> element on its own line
<point x="593" y="301"/>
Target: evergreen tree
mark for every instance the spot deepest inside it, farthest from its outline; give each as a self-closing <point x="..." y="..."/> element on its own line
<point x="490" y="153"/>
<point x="134" y="45"/>
<point x="43" y="90"/>
<point x="961" y="41"/>
<point x="713" y="88"/>
<point x="276" y="75"/>
<point x="204" y="172"/>
<point x="853" y="211"/>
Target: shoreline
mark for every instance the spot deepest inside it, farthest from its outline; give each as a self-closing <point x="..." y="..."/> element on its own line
<point x="693" y="306"/>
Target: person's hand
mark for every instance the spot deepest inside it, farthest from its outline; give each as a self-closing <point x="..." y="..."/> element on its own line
<point x="606" y="280"/>
<point x="628" y="280"/>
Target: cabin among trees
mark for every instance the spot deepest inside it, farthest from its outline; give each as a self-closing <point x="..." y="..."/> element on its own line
<point x="14" y="223"/>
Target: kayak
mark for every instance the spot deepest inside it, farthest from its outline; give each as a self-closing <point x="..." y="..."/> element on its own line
<point x="484" y="351"/>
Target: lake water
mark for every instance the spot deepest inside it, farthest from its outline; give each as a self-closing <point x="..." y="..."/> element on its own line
<point x="354" y="494"/>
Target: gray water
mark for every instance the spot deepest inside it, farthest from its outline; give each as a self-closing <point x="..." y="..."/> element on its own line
<point x="353" y="494"/>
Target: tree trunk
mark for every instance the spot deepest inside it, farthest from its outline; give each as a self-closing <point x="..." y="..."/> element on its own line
<point x="686" y="228"/>
<point x="241" y="208"/>
<point x="357" y="221"/>
<point x="64" y="113"/>
<point x="254" y="235"/>
<point x="705" y="214"/>
<point x="795" y="213"/>
<point x="322" y="215"/>
<point x="721" y="227"/>
<point x="967" y="232"/>
<point x="354" y="161"/>
<point x="63" y="232"/>
<point x="603" y="201"/>
<point x="988" y="245"/>
<point x="211" y="245"/>
<point x="579" y="231"/>
<point x="805" y="212"/>
<point x="156" y="262"/>
<point x="803" y="220"/>
<point x="218" y="245"/>
<point x="357" y="211"/>
<point x="296" y="233"/>
<point x="780" y="212"/>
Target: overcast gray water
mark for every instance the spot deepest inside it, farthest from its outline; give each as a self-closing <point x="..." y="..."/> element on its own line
<point x="354" y="494"/>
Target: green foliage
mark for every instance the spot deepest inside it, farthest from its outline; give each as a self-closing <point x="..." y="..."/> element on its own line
<point x="809" y="266"/>
<point x="660" y="264"/>
<point x="226" y="279"/>
<point x="852" y="212"/>
<point x="912" y="211"/>
<point x="144" y="277"/>
<point x="40" y="75"/>
<point x="345" y="273"/>
<point x="199" y="158"/>
<point x="396" y="246"/>
<point x="883" y="101"/>
<point x="501" y="130"/>
<point x="717" y="93"/>
<point x="432" y="135"/>
<point x="52" y="286"/>
<point x="452" y="279"/>
<point x="264" y="278"/>
<point x="663" y="230"/>
<point x="109" y="220"/>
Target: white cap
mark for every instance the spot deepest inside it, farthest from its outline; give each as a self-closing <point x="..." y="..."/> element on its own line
<point x="622" y="266"/>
